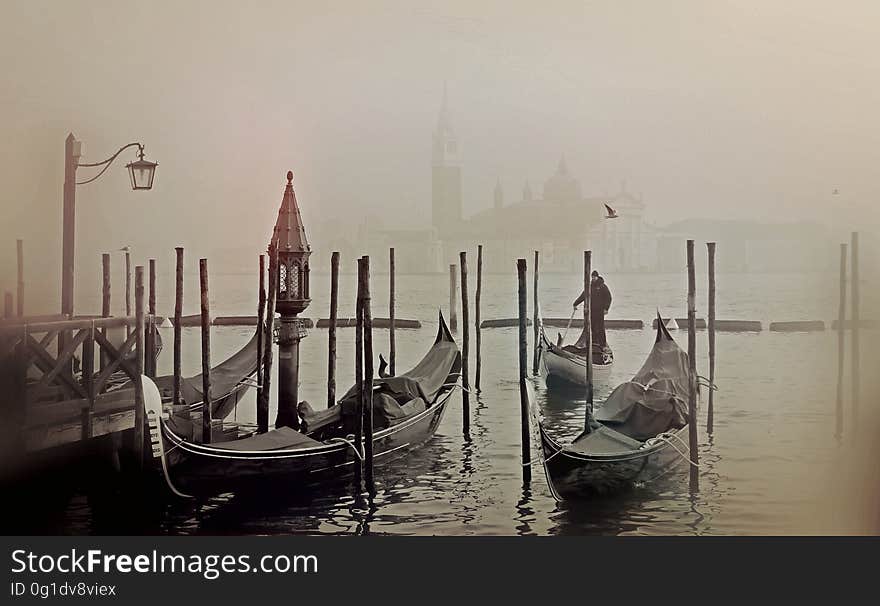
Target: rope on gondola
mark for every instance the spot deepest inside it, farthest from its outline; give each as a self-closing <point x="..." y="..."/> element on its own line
<point x="665" y="438"/>
<point x="663" y="391"/>
<point x="544" y="460"/>
<point x="706" y="383"/>
<point x="357" y="452"/>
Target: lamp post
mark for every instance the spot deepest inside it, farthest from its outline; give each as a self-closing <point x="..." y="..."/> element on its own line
<point x="292" y="298"/>
<point x="141" y="173"/>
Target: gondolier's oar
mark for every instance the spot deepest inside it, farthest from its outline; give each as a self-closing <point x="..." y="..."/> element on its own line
<point x="567" y="326"/>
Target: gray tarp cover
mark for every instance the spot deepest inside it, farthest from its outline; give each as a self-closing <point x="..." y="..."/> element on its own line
<point x="655" y="400"/>
<point x="224" y="377"/>
<point x="423" y="381"/>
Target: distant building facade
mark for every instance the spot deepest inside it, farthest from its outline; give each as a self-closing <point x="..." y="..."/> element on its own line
<point x="561" y="223"/>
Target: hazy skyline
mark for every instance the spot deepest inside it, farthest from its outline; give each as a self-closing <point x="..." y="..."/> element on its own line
<point x="718" y="110"/>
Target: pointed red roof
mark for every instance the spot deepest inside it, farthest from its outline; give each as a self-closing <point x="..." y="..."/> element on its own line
<point x="290" y="234"/>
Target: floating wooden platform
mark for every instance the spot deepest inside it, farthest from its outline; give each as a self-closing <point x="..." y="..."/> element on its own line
<point x="738" y="326"/>
<point x="196" y="320"/>
<point x="847" y="324"/>
<point x="801" y="326"/>
<point x="377" y="323"/>
<point x="609" y="324"/>
<point x="699" y="323"/>
<point x="503" y="323"/>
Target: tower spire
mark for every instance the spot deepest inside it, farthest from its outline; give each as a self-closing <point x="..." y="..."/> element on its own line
<point x="499" y="194"/>
<point x="289" y="234"/>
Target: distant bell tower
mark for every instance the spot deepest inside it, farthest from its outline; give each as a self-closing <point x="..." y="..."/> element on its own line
<point x="445" y="175"/>
<point x="499" y="195"/>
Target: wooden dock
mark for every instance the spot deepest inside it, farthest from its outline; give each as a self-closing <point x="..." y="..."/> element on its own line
<point x="59" y="394"/>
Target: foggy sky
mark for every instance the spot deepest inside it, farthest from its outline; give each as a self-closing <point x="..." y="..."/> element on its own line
<point x="709" y="109"/>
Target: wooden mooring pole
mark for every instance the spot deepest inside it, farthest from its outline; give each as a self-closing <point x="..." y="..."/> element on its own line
<point x="261" y="330"/>
<point x="392" y="346"/>
<point x="692" y="368"/>
<point x="368" y="378"/>
<point x="477" y="328"/>
<point x="523" y="371"/>
<point x="359" y="373"/>
<point x="453" y="314"/>
<point x="535" y="316"/>
<point x="841" y="343"/>
<point x="8" y="305"/>
<point x="263" y="404"/>
<point x="127" y="288"/>
<point x="710" y="419"/>
<point x="150" y="336"/>
<point x="139" y="412"/>
<point x="105" y="301"/>
<point x="206" y="352"/>
<point x="854" y="340"/>
<point x="465" y="347"/>
<point x="331" y="330"/>
<point x="19" y="254"/>
<point x="588" y="416"/>
<point x="178" y="329"/>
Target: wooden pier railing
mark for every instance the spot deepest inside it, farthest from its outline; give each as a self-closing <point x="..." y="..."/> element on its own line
<point x="53" y="395"/>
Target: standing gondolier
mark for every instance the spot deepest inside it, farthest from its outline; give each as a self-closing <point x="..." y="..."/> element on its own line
<point x="600" y="303"/>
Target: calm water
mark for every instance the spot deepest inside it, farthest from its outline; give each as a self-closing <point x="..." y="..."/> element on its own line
<point x="773" y="436"/>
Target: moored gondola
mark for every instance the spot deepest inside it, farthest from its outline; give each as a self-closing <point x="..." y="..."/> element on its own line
<point x="406" y="412"/>
<point x="638" y="434"/>
<point x="567" y="364"/>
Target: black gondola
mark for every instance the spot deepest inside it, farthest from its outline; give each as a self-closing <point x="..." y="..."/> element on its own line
<point x="406" y="409"/>
<point x="639" y="435"/>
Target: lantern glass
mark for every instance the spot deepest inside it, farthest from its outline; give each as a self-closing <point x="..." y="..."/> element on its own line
<point x="294" y="281"/>
<point x="282" y="279"/>
<point x="141" y="173"/>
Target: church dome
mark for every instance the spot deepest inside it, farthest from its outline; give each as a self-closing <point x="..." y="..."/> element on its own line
<point x="562" y="187"/>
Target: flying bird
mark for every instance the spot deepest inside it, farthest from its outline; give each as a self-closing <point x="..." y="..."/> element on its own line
<point x="612" y="214"/>
<point x="125" y="249"/>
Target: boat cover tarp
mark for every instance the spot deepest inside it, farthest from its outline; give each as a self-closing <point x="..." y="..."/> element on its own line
<point x="224" y="377"/>
<point x="604" y="441"/>
<point x="655" y="399"/>
<point x="275" y="439"/>
<point x="439" y="367"/>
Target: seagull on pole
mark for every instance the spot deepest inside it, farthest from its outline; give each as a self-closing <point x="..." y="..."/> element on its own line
<point x="611" y="213"/>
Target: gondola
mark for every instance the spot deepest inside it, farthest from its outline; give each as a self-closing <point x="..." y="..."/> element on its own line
<point x="567" y="365"/>
<point x="639" y="433"/>
<point x="407" y="410"/>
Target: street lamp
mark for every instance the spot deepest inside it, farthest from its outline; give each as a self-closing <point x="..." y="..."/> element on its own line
<point x="141" y="173"/>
